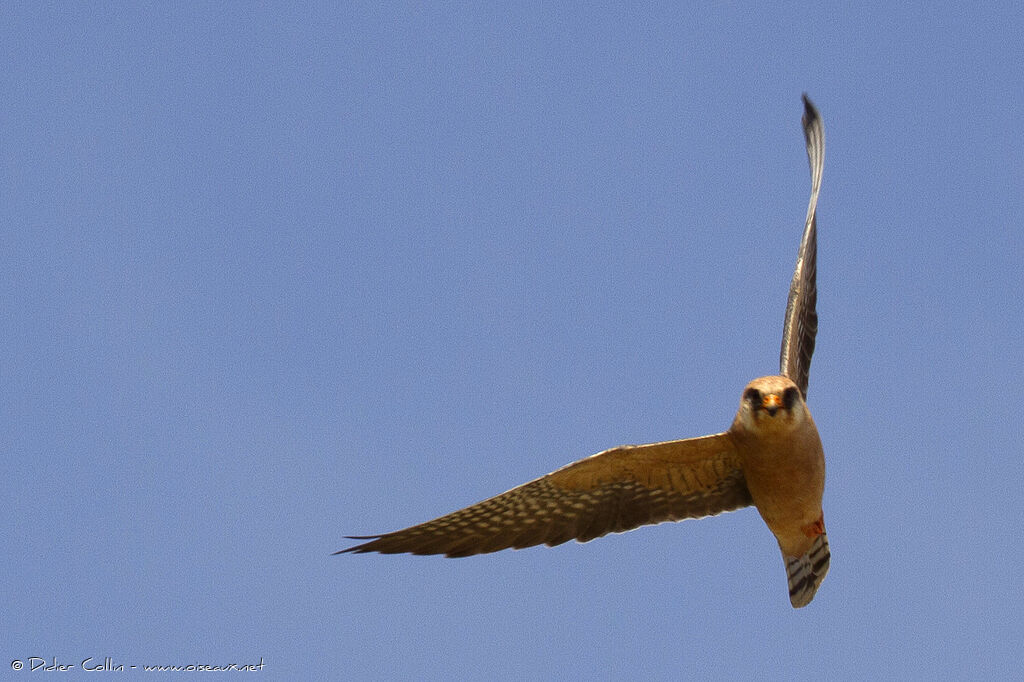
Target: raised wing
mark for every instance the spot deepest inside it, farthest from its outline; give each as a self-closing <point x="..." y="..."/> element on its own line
<point x="610" y="492"/>
<point x="801" y="324"/>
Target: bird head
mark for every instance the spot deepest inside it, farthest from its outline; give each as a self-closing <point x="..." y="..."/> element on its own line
<point x="770" y="405"/>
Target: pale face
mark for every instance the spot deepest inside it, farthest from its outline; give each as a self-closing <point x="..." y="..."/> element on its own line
<point x="771" y="405"/>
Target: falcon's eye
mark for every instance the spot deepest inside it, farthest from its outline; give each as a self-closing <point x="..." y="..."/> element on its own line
<point x="789" y="397"/>
<point x="753" y="396"/>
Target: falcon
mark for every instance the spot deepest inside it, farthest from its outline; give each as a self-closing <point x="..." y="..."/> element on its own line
<point x="771" y="457"/>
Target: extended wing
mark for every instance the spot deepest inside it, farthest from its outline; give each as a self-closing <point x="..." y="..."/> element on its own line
<point x="610" y="492"/>
<point x="801" y="324"/>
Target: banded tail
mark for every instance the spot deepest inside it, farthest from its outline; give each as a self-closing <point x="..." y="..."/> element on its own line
<point x="806" y="573"/>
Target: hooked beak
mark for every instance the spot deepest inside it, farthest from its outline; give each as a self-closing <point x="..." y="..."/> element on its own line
<point x="771" y="403"/>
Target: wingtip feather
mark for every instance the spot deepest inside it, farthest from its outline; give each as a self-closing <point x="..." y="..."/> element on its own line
<point x="810" y="111"/>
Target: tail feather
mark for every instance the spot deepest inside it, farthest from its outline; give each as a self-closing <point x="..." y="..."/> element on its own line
<point x="806" y="572"/>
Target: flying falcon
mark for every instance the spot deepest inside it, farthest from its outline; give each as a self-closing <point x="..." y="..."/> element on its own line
<point x="770" y="457"/>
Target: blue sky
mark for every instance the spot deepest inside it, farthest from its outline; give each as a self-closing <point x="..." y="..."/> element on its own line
<point x="271" y="275"/>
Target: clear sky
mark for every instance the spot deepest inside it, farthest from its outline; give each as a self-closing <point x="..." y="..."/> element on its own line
<point x="275" y="274"/>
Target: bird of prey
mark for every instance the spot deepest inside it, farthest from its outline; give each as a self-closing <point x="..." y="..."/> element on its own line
<point x="770" y="457"/>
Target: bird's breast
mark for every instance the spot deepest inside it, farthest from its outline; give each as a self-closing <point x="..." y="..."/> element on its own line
<point x="786" y="477"/>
